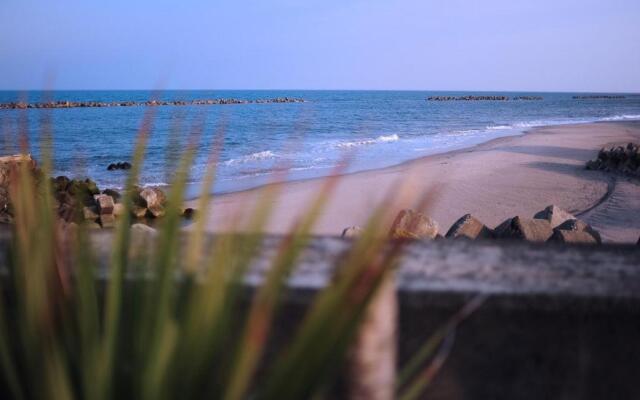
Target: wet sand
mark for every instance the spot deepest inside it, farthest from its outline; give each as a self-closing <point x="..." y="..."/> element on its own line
<point x="493" y="181"/>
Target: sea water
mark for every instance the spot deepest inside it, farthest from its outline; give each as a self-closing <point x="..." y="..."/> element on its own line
<point x="254" y="144"/>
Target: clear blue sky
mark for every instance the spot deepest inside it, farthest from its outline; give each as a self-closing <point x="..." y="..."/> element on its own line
<point x="544" y="45"/>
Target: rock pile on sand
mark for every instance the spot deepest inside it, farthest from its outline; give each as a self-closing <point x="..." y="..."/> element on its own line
<point x="80" y="200"/>
<point x="620" y="159"/>
<point x="552" y="224"/>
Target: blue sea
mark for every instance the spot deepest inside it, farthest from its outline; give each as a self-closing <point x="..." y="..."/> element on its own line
<point x="274" y="141"/>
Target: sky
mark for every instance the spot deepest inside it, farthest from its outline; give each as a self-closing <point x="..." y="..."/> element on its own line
<point x="541" y="45"/>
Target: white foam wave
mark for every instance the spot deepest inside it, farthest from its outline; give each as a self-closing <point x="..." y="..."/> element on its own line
<point x="364" y="142"/>
<point x="261" y="155"/>
<point x="622" y="117"/>
<point x="499" y="127"/>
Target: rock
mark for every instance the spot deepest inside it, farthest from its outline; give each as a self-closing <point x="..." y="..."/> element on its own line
<point x="10" y="167"/>
<point x="119" y="165"/>
<point x="555" y="215"/>
<point x="60" y="183"/>
<point x="138" y="212"/>
<point x="5" y="201"/>
<point x="411" y="224"/>
<point x="469" y="227"/>
<point x="189" y="213"/>
<point x="118" y="210"/>
<point x="6" y="218"/>
<point x="351" y="232"/>
<point x="155" y="201"/>
<point x="566" y="236"/>
<point x="533" y="230"/>
<point x="578" y="225"/>
<point x="83" y="190"/>
<point x="114" y="194"/>
<point x="105" y="204"/>
<point x="90" y="213"/>
<point x="107" y="220"/>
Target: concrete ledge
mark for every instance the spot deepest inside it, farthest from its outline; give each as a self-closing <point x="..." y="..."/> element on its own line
<point x="559" y="321"/>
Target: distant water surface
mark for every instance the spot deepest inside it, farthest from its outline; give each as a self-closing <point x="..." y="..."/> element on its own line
<point x="372" y="129"/>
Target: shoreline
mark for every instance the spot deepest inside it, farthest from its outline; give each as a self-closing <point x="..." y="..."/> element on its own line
<point x="534" y="180"/>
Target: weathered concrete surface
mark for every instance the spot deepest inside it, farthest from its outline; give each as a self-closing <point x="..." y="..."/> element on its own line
<point x="559" y="321"/>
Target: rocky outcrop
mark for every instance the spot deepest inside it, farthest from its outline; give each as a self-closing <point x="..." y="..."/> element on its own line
<point x="410" y="224"/>
<point x="470" y="228"/>
<point x="621" y="159"/>
<point x="530" y="229"/>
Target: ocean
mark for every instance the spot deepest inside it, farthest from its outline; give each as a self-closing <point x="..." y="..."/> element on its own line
<point x="274" y="141"/>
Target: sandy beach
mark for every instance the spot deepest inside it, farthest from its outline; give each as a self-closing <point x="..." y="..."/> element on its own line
<point x="493" y="181"/>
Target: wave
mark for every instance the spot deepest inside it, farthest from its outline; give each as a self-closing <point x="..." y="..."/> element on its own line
<point x="622" y="117"/>
<point x="261" y="155"/>
<point x="365" y="142"/>
<point x="499" y="127"/>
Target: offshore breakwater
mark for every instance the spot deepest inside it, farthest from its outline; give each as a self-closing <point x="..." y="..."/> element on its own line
<point x="149" y="103"/>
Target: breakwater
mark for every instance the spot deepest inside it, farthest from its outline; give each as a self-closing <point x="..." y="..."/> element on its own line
<point x="482" y="98"/>
<point x="149" y="103"/>
<point x="599" y="97"/>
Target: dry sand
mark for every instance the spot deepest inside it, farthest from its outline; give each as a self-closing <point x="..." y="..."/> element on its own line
<point x="493" y="181"/>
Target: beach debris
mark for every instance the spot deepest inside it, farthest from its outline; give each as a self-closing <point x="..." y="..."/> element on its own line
<point x="410" y="224"/>
<point x="119" y="165"/>
<point x="469" y="227"/>
<point x="531" y="229"/>
<point x="563" y="236"/>
<point x="621" y="159"/>
<point x="554" y="214"/>
<point x="351" y="232"/>
<point x="579" y="226"/>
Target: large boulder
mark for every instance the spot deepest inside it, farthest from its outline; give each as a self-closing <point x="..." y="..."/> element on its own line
<point x="114" y="194"/>
<point x="155" y="200"/>
<point x="566" y="236"/>
<point x="533" y="230"/>
<point x="470" y="228"/>
<point x="105" y="203"/>
<point x="411" y="224"/>
<point x="554" y="214"/>
<point x="580" y="226"/>
<point x="10" y="167"/>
